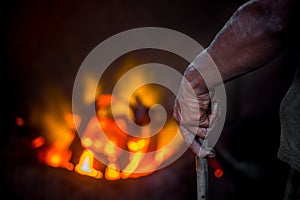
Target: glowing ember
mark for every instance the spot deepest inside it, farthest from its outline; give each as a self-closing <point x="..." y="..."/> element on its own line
<point x="215" y="165"/>
<point x="38" y="142"/>
<point x="19" y="121"/>
<point x="218" y="173"/>
<point x="111" y="173"/>
<point x="55" y="156"/>
<point x="85" y="165"/>
<point x="59" y="131"/>
<point x="136" y="146"/>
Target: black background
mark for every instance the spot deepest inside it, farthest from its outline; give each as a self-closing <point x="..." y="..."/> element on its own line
<point x="44" y="42"/>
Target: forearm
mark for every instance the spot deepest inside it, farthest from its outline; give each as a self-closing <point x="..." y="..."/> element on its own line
<point x="254" y="34"/>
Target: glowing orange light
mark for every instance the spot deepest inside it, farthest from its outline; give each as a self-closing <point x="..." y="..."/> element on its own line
<point x="54" y="160"/>
<point x="56" y="157"/>
<point x="142" y="143"/>
<point x="132" y="145"/>
<point x="71" y="120"/>
<point x="218" y="173"/>
<point x="20" y="121"/>
<point x="60" y="133"/>
<point x="137" y="145"/>
<point x="38" y="142"/>
<point x="69" y="166"/>
<point x="85" y="165"/>
<point x="215" y="165"/>
<point x="104" y="101"/>
<point x="112" y="173"/>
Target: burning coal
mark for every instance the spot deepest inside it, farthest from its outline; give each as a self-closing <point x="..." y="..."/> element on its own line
<point x="53" y="147"/>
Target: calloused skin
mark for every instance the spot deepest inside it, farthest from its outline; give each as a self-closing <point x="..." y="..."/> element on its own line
<point x="254" y="35"/>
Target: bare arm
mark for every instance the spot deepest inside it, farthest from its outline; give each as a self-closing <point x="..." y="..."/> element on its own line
<point x="255" y="33"/>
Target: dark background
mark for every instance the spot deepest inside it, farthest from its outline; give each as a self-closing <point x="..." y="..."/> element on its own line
<point x="44" y="42"/>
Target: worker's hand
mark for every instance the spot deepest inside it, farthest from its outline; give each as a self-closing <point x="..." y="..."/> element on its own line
<point x="194" y="112"/>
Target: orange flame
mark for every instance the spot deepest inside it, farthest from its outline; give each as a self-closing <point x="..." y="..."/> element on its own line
<point x="85" y="165"/>
<point x="54" y="148"/>
<point x="55" y="156"/>
<point x="112" y="173"/>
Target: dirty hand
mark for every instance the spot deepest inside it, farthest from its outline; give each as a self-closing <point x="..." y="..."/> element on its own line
<point x="194" y="112"/>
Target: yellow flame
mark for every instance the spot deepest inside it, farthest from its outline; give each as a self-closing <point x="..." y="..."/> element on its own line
<point x="57" y="124"/>
<point x="85" y="165"/>
<point x="134" y="146"/>
<point x="138" y="147"/>
<point x="50" y="113"/>
<point x="112" y="173"/>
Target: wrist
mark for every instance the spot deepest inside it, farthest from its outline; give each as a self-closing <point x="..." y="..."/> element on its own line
<point x="203" y="73"/>
<point x="195" y="79"/>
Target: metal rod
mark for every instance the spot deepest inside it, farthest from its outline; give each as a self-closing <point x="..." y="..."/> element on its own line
<point x="202" y="178"/>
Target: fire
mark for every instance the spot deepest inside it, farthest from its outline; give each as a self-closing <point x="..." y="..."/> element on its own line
<point x="138" y="145"/>
<point x="38" y="142"/>
<point x="59" y="131"/>
<point x="58" y="153"/>
<point x="85" y="165"/>
<point x="87" y="141"/>
<point x="111" y="173"/>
